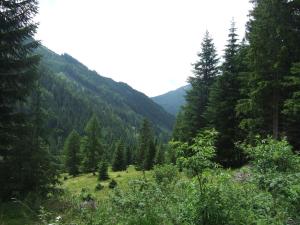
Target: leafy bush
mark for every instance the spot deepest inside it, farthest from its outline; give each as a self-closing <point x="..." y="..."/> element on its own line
<point x="165" y="174"/>
<point x="112" y="184"/>
<point x="269" y="155"/>
<point x="85" y="195"/>
<point x="99" y="187"/>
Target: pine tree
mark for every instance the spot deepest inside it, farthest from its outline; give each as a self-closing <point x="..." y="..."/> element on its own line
<point x="18" y="72"/>
<point x="272" y="52"/>
<point x="119" y="161"/>
<point x="143" y="144"/>
<point x="223" y="97"/>
<point x="160" y="155"/>
<point x="150" y="155"/>
<point x="92" y="151"/>
<point x="72" y="149"/>
<point x="292" y="107"/>
<point x="205" y="72"/>
<point x="103" y="171"/>
<point x="145" y="155"/>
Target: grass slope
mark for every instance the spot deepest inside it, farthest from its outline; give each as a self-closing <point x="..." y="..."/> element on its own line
<point x="74" y="185"/>
<point x="20" y="213"/>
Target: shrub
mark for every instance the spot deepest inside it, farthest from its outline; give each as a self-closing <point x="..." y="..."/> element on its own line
<point x="112" y="184"/>
<point x="99" y="187"/>
<point x="269" y="155"/>
<point x="85" y="195"/>
<point x="165" y="174"/>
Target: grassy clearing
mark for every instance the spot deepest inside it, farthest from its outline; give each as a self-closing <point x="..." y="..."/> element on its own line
<point x="74" y="185"/>
<point x="19" y="213"/>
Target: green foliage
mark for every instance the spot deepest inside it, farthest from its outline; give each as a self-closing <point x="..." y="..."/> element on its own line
<point x="270" y="59"/>
<point x="223" y="97"/>
<point x="165" y="173"/>
<point x="272" y="155"/>
<point x="198" y="156"/>
<point x="103" y="171"/>
<point x="291" y="108"/>
<point x="173" y="100"/>
<point x="160" y="154"/>
<point x="112" y="184"/>
<point x="205" y="70"/>
<point x="277" y="169"/>
<point x="119" y="160"/>
<point x="72" y="150"/>
<point x="146" y="147"/>
<point x="73" y="93"/>
<point x="99" y="187"/>
<point x="93" y="149"/>
<point x="21" y="152"/>
<point x="86" y="195"/>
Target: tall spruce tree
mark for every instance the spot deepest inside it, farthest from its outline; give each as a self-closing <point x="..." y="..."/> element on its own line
<point x="272" y="52"/>
<point x="72" y="150"/>
<point x="205" y="71"/>
<point x="92" y="149"/>
<point x="223" y="97"/>
<point x="145" y="151"/>
<point x="103" y="171"/>
<point x="150" y="155"/>
<point x="23" y="154"/>
<point x="160" y="154"/>
<point x="292" y="108"/>
<point x="119" y="159"/>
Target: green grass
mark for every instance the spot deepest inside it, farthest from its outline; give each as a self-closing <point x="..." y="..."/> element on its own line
<point x="18" y="213"/>
<point x="74" y="185"/>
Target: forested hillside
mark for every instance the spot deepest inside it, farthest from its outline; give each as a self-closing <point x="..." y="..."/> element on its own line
<point x="79" y="148"/>
<point x="172" y="100"/>
<point x="71" y="93"/>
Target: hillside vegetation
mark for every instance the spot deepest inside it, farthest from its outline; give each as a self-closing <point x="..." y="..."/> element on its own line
<point x="172" y="100"/>
<point x="71" y="93"/>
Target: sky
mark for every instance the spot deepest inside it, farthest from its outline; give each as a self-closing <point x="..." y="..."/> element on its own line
<point x="148" y="44"/>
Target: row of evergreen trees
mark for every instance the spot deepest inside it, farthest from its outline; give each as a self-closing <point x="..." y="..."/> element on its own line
<point x="256" y="88"/>
<point x="88" y="154"/>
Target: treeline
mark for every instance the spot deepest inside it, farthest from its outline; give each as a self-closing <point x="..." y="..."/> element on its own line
<point x="44" y="96"/>
<point x="88" y="153"/>
<point x="254" y="91"/>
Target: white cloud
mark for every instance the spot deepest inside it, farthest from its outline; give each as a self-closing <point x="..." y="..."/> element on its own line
<point x="149" y="44"/>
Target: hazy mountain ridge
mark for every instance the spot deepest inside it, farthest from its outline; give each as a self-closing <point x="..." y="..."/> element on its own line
<point x="72" y="93"/>
<point x="172" y="100"/>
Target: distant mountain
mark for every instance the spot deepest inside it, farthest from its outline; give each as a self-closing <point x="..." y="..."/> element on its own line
<point x="173" y="100"/>
<point x="71" y="93"/>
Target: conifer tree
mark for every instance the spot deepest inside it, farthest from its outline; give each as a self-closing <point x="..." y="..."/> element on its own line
<point x="272" y="52"/>
<point x="119" y="161"/>
<point x="146" y="147"/>
<point x="20" y="144"/>
<point x="72" y="149"/>
<point x="223" y="97"/>
<point x="150" y="155"/>
<point x="292" y="107"/>
<point x="103" y="171"/>
<point x="205" y="71"/>
<point x="160" y="155"/>
<point x="92" y="151"/>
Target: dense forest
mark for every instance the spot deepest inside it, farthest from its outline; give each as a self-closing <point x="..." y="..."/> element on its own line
<point x="80" y="148"/>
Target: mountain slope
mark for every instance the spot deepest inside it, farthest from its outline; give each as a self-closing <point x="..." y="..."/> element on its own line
<point x="173" y="100"/>
<point x="71" y="93"/>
